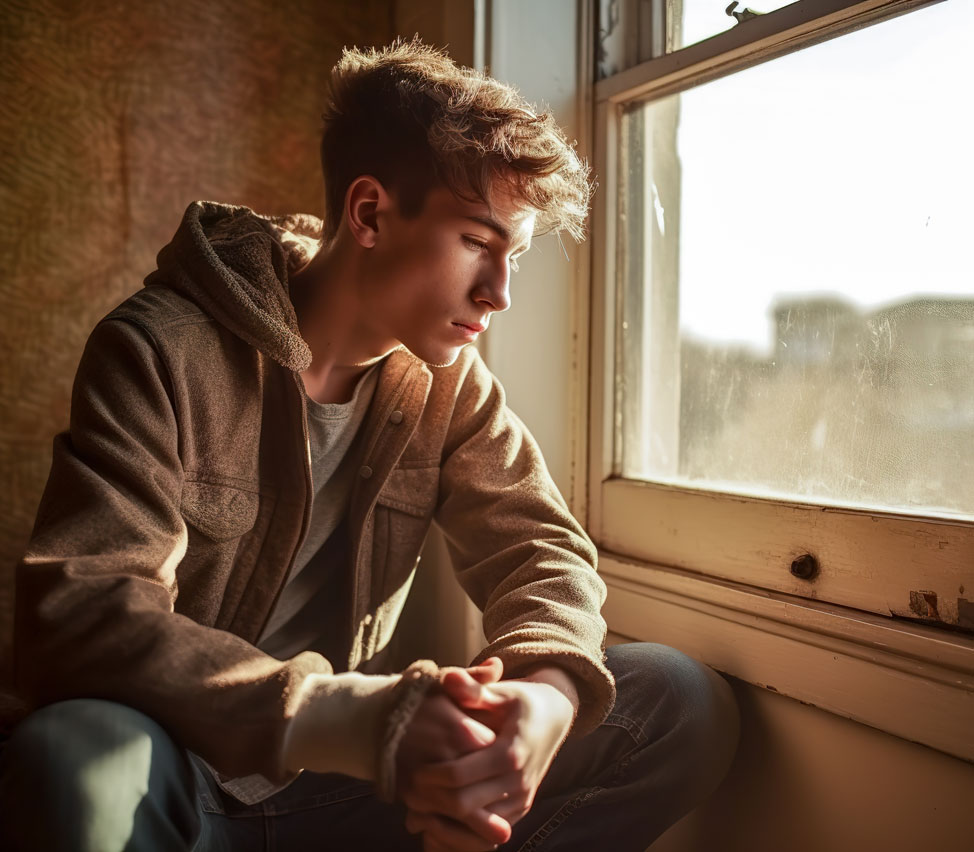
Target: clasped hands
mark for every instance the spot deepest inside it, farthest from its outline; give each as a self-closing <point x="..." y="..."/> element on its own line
<point x="472" y="758"/>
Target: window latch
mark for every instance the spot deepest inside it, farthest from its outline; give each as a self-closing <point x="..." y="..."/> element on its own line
<point x="743" y="16"/>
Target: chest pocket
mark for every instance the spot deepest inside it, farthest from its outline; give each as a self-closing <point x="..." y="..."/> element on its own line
<point x="411" y="490"/>
<point x="404" y="511"/>
<point x="220" y="512"/>
<point x="226" y="526"/>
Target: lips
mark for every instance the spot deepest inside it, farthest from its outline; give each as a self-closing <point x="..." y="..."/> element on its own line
<point x="475" y="327"/>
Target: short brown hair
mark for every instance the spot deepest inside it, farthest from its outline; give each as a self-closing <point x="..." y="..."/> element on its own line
<point x="411" y="117"/>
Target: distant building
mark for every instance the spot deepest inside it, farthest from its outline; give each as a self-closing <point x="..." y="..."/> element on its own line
<point x="861" y="408"/>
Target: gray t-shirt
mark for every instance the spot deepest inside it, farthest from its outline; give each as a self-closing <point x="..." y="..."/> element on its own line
<point x="311" y="611"/>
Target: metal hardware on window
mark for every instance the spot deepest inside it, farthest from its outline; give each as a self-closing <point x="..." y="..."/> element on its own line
<point x="805" y="567"/>
<point x="743" y="16"/>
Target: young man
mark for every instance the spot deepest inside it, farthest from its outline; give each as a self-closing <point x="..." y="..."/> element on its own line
<point x="259" y="441"/>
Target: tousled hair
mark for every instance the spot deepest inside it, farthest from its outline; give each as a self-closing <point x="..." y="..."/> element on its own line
<point x="409" y="116"/>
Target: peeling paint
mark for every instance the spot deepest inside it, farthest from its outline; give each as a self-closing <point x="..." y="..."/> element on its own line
<point x="924" y="604"/>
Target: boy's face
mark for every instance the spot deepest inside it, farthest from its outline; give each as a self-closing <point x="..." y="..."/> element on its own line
<point x="436" y="278"/>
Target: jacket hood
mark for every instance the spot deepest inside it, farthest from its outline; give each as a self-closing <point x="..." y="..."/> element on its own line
<point x="235" y="264"/>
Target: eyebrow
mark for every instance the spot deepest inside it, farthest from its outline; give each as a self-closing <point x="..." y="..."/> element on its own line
<point x="499" y="229"/>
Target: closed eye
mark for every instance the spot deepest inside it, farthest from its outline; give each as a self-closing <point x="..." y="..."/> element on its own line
<point x="479" y="245"/>
<point x="476" y="245"/>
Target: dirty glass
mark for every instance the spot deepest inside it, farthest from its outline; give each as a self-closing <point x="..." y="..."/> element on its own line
<point x="797" y="275"/>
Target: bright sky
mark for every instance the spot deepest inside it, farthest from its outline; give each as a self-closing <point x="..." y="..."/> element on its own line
<point x="844" y="168"/>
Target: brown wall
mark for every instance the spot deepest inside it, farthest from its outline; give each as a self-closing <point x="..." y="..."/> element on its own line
<point x="113" y="117"/>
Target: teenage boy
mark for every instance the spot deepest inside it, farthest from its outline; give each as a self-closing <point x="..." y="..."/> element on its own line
<point x="259" y="441"/>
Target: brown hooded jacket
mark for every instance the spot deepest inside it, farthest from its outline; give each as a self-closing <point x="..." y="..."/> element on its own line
<point x="180" y="495"/>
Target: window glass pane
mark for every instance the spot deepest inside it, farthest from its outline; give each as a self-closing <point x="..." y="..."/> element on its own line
<point x="798" y="313"/>
<point x="694" y="20"/>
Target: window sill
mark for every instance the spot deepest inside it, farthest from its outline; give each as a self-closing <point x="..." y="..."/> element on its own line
<point x="913" y="681"/>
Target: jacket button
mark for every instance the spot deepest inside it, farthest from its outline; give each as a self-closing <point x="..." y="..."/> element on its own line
<point x="365" y="471"/>
<point x="396" y="417"/>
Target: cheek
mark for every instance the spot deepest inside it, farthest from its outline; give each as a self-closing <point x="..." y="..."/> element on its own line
<point x="425" y="277"/>
<point x="443" y="280"/>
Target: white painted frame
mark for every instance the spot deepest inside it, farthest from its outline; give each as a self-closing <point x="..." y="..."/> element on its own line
<point x="710" y="573"/>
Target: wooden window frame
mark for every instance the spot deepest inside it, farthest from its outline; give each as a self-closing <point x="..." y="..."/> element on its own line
<point x="712" y="573"/>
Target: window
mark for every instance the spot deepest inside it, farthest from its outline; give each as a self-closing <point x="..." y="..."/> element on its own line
<point x="783" y="322"/>
<point x="798" y="306"/>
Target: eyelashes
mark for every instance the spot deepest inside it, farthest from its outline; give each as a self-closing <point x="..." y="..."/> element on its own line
<point x="479" y="245"/>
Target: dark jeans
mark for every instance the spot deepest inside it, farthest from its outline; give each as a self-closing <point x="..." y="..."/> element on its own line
<point x="93" y="776"/>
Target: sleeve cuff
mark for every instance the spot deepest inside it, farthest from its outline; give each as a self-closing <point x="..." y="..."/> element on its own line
<point x="408" y="695"/>
<point x="352" y="723"/>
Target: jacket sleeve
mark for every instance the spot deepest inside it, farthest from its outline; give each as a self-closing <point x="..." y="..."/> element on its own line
<point x="517" y="550"/>
<point x="96" y="589"/>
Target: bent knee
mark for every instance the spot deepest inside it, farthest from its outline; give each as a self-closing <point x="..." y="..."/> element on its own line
<point x="83" y="740"/>
<point x="107" y="770"/>
<point x="74" y="727"/>
<point x="686" y="701"/>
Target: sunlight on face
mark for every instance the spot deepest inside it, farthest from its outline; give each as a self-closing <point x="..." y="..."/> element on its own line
<point x="437" y="277"/>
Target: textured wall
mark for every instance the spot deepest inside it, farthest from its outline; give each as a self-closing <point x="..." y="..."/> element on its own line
<point x="113" y="117"/>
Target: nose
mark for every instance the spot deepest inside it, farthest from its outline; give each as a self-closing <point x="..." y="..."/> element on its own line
<point x="494" y="290"/>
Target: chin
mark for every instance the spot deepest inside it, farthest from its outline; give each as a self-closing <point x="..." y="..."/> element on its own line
<point x="436" y="357"/>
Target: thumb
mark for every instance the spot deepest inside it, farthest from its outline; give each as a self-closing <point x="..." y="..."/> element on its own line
<point x="459" y="682"/>
<point x="467" y="693"/>
<point x="490" y="670"/>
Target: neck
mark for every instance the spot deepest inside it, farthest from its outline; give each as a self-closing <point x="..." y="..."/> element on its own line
<point x="325" y="294"/>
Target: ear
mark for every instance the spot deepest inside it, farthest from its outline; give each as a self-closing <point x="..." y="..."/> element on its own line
<point x="365" y="202"/>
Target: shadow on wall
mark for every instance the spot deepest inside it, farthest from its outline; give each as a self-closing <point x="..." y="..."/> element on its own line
<point x="112" y="123"/>
<point x="807" y="780"/>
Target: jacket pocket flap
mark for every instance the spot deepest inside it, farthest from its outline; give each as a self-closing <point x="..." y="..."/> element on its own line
<point x="411" y="490"/>
<point x="220" y="512"/>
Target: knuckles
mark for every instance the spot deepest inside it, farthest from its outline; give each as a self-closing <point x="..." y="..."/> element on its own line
<point x="450" y="775"/>
<point x="462" y="806"/>
<point x="515" y="757"/>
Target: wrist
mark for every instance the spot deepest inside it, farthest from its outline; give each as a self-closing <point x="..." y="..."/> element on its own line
<point x="556" y="677"/>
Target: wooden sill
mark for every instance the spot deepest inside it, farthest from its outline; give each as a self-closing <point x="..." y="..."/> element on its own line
<point x="913" y="681"/>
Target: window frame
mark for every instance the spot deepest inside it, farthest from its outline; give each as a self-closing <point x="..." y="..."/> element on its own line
<point x="865" y="636"/>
